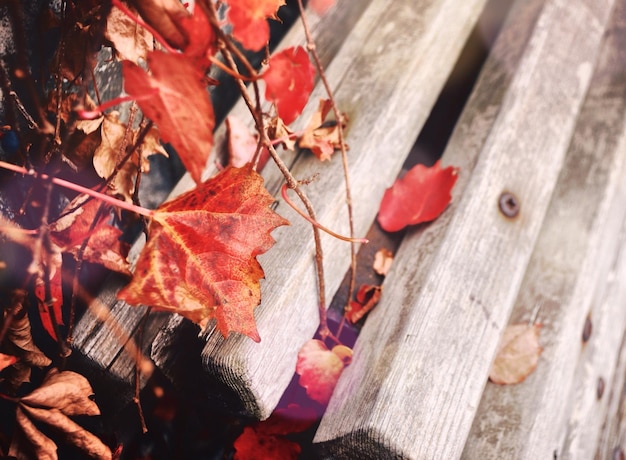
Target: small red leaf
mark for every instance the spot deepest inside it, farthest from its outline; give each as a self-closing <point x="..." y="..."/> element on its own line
<point x="319" y="368"/>
<point x="367" y="298"/>
<point x="289" y="82"/>
<point x="181" y="107"/>
<point x="249" y="20"/>
<point x="420" y="196"/>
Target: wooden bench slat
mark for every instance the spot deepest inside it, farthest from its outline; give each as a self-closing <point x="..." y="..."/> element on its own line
<point x="398" y="56"/>
<point x="421" y="361"/>
<point x="568" y="270"/>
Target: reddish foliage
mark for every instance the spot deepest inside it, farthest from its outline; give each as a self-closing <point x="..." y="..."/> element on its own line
<point x="367" y="298"/>
<point x="420" y="196"/>
<point x="319" y="368"/>
<point x="201" y="40"/>
<point x="200" y="257"/>
<point x="265" y="440"/>
<point x="181" y="107"/>
<point x="249" y="20"/>
<point x="322" y="138"/>
<point x="289" y="82"/>
<point x="321" y="7"/>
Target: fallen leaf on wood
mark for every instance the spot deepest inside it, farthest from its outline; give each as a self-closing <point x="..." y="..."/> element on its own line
<point x="322" y="137"/>
<point x="382" y="261"/>
<point x="277" y="130"/>
<point x="249" y="21"/>
<point x="200" y="257"/>
<point x="266" y="439"/>
<point x="319" y="368"/>
<point x="518" y="354"/>
<point x="420" y="196"/>
<point x="61" y="394"/>
<point x="367" y="297"/>
<point x="289" y="82"/>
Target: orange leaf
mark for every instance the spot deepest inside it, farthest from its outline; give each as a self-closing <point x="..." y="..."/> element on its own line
<point x="200" y="257"/>
<point x="321" y="138"/>
<point x="181" y="107"/>
<point x="420" y="196"/>
<point x="319" y="368"/>
<point x="289" y="82"/>
<point x="249" y="20"/>
<point x="367" y="298"/>
<point x="6" y="361"/>
<point x="518" y="354"/>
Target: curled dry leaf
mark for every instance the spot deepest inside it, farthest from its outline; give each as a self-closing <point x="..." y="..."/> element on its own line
<point x="382" y="261"/>
<point x="367" y="297"/>
<point x="266" y="439"/>
<point x="131" y="41"/>
<point x="249" y="21"/>
<point x="321" y="137"/>
<point x="289" y="82"/>
<point x="61" y="394"/>
<point x="279" y="132"/>
<point x="319" y="368"/>
<point x="518" y="354"/>
<point x="420" y="196"/>
<point x="200" y="257"/>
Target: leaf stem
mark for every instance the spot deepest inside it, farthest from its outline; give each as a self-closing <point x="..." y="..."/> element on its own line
<point x="283" y="192"/>
<point x="80" y="189"/>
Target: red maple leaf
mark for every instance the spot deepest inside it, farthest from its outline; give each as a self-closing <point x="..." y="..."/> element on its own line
<point x="249" y="20"/>
<point x="200" y="257"/>
<point x="420" y="196"/>
<point x="180" y="107"/>
<point x="289" y="82"/>
<point x="319" y="368"/>
<point x="201" y="40"/>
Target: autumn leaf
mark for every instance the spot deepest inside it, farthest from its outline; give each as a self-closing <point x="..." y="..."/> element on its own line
<point x="181" y="107"/>
<point x="6" y="361"/>
<point x="61" y="394"/>
<point x="321" y="7"/>
<point x="289" y="82"/>
<point x="280" y="133"/>
<point x="201" y="39"/>
<point x="320" y="137"/>
<point x="420" y="196"/>
<point x="382" y="261"/>
<point x="319" y="368"/>
<point x="130" y="40"/>
<point x="242" y="144"/>
<point x="200" y="257"/>
<point x="249" y="21"/>
<point x="518" y="354"/>
<point x="367" y="297"/>
<point x="266" y="439"/>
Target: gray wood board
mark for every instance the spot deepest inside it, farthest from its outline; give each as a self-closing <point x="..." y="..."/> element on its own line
<point x="421" y="361"/>
<point x="386" y="77"/>
<point x="92" y="339"/>
<point x="570" y="262"/>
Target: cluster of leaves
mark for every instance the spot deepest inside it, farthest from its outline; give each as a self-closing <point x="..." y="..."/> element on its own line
<point x="200" y="258"/>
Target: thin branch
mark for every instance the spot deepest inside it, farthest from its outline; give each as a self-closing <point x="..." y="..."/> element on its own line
<point x="344" y="155"/>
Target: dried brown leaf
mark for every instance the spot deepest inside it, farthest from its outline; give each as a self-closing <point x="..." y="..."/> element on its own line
<point x="131" y="41"/>
<point x="32" y="440"/>
<point x="382" y="261"/>
<point x="518" y="354"/>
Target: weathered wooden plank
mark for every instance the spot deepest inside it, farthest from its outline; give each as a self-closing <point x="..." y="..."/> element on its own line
<point x="398" y="56"/>
<point x="570" y="263"/>
<point x="598" y="381"/>
<point x="421" y="361"/>
<point x="93" y="340"/>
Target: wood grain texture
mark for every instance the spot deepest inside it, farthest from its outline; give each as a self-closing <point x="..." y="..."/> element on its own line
<point x="567" y="271"/>
<point x="395" y="61"/>
<point x="421" y="361"/>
